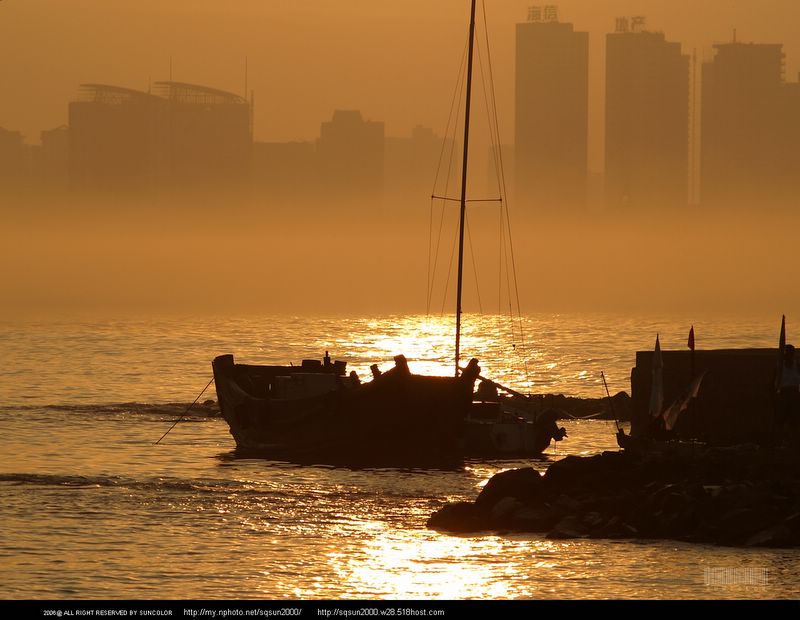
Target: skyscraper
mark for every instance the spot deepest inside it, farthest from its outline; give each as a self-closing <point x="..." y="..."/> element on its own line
<point x="647" y="119"/>
<point x="350" y="153"/>
<point x="552" y="107"/>
<point x="743" y="132"/>
<point x="207" y="135"/>
<point x="114" y="139"/>
<point x="185" y="137"/>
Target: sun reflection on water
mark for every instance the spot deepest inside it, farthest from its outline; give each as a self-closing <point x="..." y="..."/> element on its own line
<point x="398" y="566"/>
<point x="428" y="343"/>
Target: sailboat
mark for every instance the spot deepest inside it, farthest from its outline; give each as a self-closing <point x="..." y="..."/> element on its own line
<point x="316" y="411"/>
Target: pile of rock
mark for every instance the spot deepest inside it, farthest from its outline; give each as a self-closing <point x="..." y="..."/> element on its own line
<point x="728" y="496"/>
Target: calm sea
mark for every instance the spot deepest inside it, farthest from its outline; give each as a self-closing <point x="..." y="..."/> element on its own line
<point x="93" y="509"/>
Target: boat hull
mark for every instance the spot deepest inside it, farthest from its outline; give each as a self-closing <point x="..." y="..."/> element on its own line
<point x="396" y="418"/>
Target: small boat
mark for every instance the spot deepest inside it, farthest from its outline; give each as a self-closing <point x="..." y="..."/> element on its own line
<point x="317" y="411"/>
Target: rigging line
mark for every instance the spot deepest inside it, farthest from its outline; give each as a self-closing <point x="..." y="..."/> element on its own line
<point x="492" y="90"/>
<point x="441" y="219"/>
<point x="504" y="190"/>
<point x="474" y="266"/>
<point x="460" y="88"/>
<point x="449" y="270"/>
<point x="446" y="199"/>
<point x="494" y="138"/>
<point x="185" y="412"/>
<point x="456" y="93"/>
<point x="456" y="97"/>
<point x="496" y="147"/>
<point x="447" y="142"/>
<point x="508" y="290"/>
<point x="430" y="250"/>
<point x="500" y="266"/>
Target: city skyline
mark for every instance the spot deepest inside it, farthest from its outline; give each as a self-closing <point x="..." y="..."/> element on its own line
<point x="190" y="137"/>
<point x="378" y="85"/>
<point x="97" y="253"/>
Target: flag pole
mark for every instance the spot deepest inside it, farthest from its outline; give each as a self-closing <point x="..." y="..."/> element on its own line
<point x="692" y="414"/>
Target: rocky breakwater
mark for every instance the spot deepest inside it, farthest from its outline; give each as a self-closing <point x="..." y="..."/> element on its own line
<point x="726" y="496"/>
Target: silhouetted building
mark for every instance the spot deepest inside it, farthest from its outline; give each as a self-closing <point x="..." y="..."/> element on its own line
<point x="207" y="137"/>
<point x="285" y="169"/>
<point x="747" y="155"/>
<point x="411" y="163"/>
<point x="14" y="165"/>
<point x="51" y="162"/>
<point x="351" y="156"/>
<point x="552" y="75"/>
<point x="647" y="120"/>
<point x="114" y="139"/>
<point x="185" y="138"/>
<point x="790" y="151"/>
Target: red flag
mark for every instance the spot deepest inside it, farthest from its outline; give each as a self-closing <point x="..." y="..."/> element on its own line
<point x="691" y="338"/>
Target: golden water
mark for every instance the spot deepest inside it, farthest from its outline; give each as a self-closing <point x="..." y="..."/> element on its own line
<point x="92" y="509"/>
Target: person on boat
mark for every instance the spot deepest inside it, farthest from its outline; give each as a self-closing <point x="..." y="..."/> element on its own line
<point x="487" y="391"/>
<point x="788" y="409"/>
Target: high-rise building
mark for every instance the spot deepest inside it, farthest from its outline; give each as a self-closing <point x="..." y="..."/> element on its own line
<point x="350" y="155"/>
<point x="647" y="120"/>
<point x="51" y="165"/>
<point x="411" y="164"/>
<point x="552" y="110"/>
<point x="184" y="138"/>
<point x="13" y="160"/>
<point x="207" y="134"/>
<point x="114" y="139"/>
<point x="744" y="138"/>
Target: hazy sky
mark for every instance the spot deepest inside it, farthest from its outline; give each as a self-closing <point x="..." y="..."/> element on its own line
<point x="394" y="60"/>
<point x="397" y="62"/>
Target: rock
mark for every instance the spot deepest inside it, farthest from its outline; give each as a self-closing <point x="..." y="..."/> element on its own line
<point x="793" y="523"/>
<point x="775" y="536"/>
<point x="569" y="527"/>
<point x="460" y="517"/>
<point x="568" y="504"/>
<point x="524" y="485"/>
<point x="732" y="497"/>
<point x="500" y="514"/>
<point x="737" y="525"/>
<point x="530" y="519"/>
<point x="593" y="520"/>
<point x="613" y="528"/>
<point x="599" y="473"/>
<point x="571" y="471"/>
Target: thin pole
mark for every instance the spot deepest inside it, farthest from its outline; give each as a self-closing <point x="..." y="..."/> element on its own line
<point x="693" y="133"/>
<point x="610" y="400"/>
<point x="463" y="210"/>
<point x="185" y="412"/>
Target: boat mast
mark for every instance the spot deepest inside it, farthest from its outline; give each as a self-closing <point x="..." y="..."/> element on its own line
<point x="463" y="213"/>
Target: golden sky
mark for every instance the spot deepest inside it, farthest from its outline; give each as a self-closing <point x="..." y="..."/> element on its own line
<point x="397" y="62"/>
<point x="394" y="60"/>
